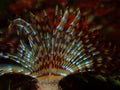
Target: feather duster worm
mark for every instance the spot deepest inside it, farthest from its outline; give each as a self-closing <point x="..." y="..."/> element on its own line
<point x="57" y="43"/>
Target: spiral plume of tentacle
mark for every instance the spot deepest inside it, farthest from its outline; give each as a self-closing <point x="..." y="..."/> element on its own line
<point x="57" y="43"/>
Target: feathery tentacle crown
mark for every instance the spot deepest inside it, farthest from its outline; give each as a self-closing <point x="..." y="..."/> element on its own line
<point x="56" y="43"/>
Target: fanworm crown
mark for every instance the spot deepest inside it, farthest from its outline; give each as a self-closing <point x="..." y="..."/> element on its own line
<point x="57" y="43"/>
